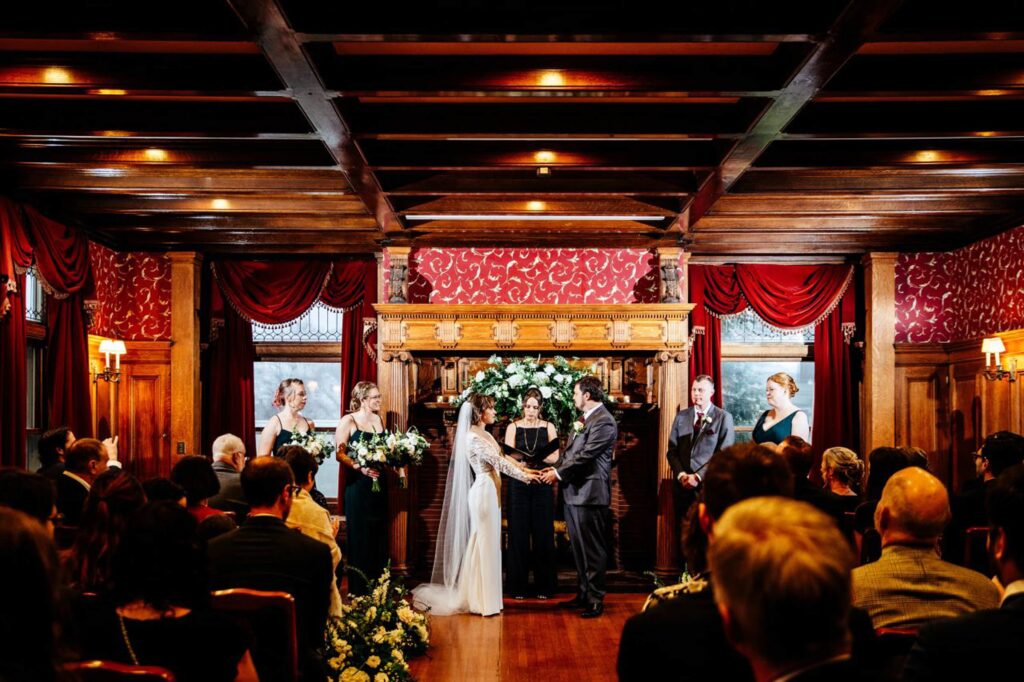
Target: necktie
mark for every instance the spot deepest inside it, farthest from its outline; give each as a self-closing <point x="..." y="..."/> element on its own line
<point x="700" y="418"/>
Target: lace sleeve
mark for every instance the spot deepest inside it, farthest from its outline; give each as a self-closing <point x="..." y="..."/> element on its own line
<point x="486" y="453"/>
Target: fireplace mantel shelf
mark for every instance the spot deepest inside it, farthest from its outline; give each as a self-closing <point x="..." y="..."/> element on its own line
<point x="636" y="326"/>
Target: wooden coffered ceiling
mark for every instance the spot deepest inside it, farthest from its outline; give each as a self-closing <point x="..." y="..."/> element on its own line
<point x="735" y="128"/>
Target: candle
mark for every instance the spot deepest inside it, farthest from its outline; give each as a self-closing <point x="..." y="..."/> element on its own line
<point x="997" y="359"/>
<point x="117" y="361"/>
<point x="106" y="356"/>
<point x="440" y="398"/>
<point x="625" y="398"/>
<point x="988" y="359"/>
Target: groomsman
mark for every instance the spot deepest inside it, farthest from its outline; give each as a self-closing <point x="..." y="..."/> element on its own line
<point x="698" y="433"/>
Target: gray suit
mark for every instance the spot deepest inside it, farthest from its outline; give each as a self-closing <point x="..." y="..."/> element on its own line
<point x="585" y="472"/>
<point x="690" y="452"/>
<point x="231" y="496"/>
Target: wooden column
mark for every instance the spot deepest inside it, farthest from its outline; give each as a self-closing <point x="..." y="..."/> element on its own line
<point x="672" y="371"/>
<point x="879" y="353"/>
<point x="185" y="391"/>
<point x="393" y="380"/>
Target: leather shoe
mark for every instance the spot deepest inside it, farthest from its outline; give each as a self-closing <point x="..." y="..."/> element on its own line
<point x="575" y="603"/>
<point x="593" y="611"/>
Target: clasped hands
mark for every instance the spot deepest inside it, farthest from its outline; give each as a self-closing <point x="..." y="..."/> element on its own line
<point x="546" y="476"/>
<point x="689" y="480"/>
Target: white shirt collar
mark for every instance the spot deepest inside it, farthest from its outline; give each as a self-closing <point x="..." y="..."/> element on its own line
<point x="78" y="478"/>
<point x="791" y="675"/>
<point x="1016" y="587"/>
<point x="586" y="415"/>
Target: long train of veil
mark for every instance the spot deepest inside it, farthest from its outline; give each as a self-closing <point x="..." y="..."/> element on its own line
<point x="441" y="594"/>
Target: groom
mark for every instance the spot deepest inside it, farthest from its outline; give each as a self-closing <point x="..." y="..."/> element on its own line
<point x="585" y="473"/>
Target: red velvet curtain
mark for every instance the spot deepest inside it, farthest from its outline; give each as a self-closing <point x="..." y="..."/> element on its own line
<point x="228" y="375"/>
<point x="353" y="289"/>
<point x="788" y="297"/>
<point x="706" y="357"/>
<point x="15" y="256"/>
<point x="272" y="292"/>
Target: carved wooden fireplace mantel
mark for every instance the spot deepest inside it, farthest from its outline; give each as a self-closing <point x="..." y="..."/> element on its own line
<point x="661" y="329"/>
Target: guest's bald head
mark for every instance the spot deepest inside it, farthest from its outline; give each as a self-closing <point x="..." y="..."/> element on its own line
<point x="914" y="507"/>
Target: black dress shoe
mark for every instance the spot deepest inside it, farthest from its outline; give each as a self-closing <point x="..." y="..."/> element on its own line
<point x="593" y="611"/>
<point x="575" y="603"/>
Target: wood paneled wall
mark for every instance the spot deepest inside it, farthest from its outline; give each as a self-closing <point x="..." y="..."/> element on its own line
<point x="138" y="407"/>
<point x="946" y="406"/>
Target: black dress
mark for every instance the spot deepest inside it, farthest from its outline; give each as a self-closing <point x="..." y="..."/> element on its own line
<point x="780" y="430"/>
<point x="366" y="522"/>
<point x="531" y="519"/>
<point x="284" y="437"/>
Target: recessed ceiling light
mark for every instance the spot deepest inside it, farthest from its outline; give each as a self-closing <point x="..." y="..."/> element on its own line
<point x="221" y="204"/>
<point x="154" y="154"/>
<point x="551" y="79"/>
<point x="110" y="91"/>
<point x="536" y="205"/>
<point x="544" y="157"/>
<point x="56" y="76"/>
<point x="543" y="171"/>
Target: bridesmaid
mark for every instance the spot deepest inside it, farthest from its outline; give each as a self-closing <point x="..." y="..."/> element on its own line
<point x="531" y="508"/>
<point x="291" y="398"/>
<point x="784" y="419"/>
<point x="366" y="512"/>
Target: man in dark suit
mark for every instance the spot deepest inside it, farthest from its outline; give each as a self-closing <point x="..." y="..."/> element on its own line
<point x="264" y="554"/>
<point x="228" y="461"/>
<point x="585" y="473"/>
<point x="83" y="462"/>
<point x="52" y="446"/>
<point x="698" y="432"/>
<point x="784" y="601"/>
<point x="983" y="645"/>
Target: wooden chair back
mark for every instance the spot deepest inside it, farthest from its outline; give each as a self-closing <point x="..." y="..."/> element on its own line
<point x="270" y="616"/>
<point x="108" y="671"/>
<point x="893" y="646"/>
<point x="976" y="549"/>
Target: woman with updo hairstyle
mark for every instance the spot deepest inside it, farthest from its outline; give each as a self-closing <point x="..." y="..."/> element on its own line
<point x="841" y="472"/>
<point x="784" y="419"/>
<point x="530" y="509"/>
<point x="114" y="498"/>
<point x="290" y="399"/>
<point x="366" y="512"/>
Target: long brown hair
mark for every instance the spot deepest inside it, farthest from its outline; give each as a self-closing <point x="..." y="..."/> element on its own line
<point x="480" y="403"/>
<point x="284" y="390"/>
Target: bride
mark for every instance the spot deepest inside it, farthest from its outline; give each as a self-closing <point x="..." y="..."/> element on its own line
<point x="467" y="560"/>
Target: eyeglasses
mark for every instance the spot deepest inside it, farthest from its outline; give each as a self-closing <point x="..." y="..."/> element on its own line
<point x="294" y="489"/>
<point x="55" y="519"/>
<point x="978" y="455"/>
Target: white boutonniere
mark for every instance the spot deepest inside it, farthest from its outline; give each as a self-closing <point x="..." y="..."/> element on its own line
<point x="706" y="421"/>
<point x="577" y="427"/>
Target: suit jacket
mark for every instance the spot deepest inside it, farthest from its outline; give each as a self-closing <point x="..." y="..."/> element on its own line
<point x="71" y="497"/>
<point x="231" y="497"/>
<point x="910" y="586"/>
<point x="983" y="645"/>
<point x="264" y="554"/>
<point x="585" y="467"/>
<point x="689" y="451"/>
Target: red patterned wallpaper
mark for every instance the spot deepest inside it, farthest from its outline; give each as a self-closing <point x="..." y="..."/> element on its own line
<point x="507" y="275"/>
<point x="134" y="292"/>
<point x="965" y="294"/>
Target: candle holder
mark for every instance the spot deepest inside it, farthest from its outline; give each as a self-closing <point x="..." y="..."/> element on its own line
<point x="111" y="375"/>
<point x="994" y="371"/>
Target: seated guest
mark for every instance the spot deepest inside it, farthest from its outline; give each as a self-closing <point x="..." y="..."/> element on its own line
<point x="195" y="474"/>
<point x="310" y="518"/>
<point x="164" y="490"/>
<point x="797" y="454"/>
<point x="228" y="461"/>
<point x="52" y="446"/>
<point x="264" y="554"/>
<point x="115" y="497"/>
<point x="682" y="637"/>
<point x="157" y="612"/>
<point x="86" y="459"/>
<point x="910" y="585"/>
<point x="841" y="471"/>
<point x="984" y="645"/>
<point x="28" y="600"/>
<point x="999" y="452"/>
<point x="785" y="603"/>
<point x="918" y="457"/>
<point x="882" y="464"/>
<point x="29" y="493"/>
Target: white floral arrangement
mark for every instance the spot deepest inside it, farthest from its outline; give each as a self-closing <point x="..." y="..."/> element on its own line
<point x="375" y="635"/>
<point x="371" y="453"/>
<point x="316" y="444"/>
<point x="508" y="381"/>
<point x="405" y="449"/>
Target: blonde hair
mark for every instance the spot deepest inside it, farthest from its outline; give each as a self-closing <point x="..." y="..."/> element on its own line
<point x="845" y="466"/>
<point x="480" y="403"/>
<point x="781" y="568"/>
<point x="360" y="392"/>
<point x="286" y="389"/>
<point x="786" y="381"/>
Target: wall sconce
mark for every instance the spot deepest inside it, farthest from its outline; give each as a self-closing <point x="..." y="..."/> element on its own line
<point x="109" y="347"/>
<point x="994" y="371"/>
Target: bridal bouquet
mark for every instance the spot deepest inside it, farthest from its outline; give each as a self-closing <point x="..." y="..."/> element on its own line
<point x="316" y="444"/>
<point x="508" y="380"/>
<point x="405" y="449"/>
<point x="374" y="635"/>
<point x="371" y="453"/>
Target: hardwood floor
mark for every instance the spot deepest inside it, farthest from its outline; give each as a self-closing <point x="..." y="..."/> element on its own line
<point x="531" y="640"/>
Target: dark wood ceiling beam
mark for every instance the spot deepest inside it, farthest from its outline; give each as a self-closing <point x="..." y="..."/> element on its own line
<point x="60" y="177"/>
<point x="227" y="204"/>
<point x="271" y="223"/>
<point x="859" y="204"/>
<point x="541" y="40"/>
<point x="281" y="46"/>
<point x="857" y="23"/>
<point x="893" y="180"/>
<point x="559" y="182"/>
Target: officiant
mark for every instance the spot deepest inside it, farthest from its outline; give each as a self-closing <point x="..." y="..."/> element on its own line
<point x="698" y="432"/>
<point x="530" y="509"/>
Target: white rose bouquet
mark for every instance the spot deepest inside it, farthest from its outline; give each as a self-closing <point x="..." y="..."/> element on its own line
<point x="405" y="449"/>
<point x="371" y="453"/>
<point x="316" y="444"/>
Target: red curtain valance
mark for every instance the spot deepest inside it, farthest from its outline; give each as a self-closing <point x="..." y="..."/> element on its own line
<point x="272" y="292"/>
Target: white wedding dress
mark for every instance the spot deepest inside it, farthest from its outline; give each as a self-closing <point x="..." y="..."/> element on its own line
<point x="467" y="562"/>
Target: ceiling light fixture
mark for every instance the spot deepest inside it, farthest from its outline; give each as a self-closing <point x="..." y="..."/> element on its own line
<point x="543" y="171"/>
<point x="544" y="157"/>
<point x="551" y="79"/>
<point x="154" y="154"/>
<point x="221" y="204"/>
<point x="56" y="76"/>
<point x="536" y="205"/>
